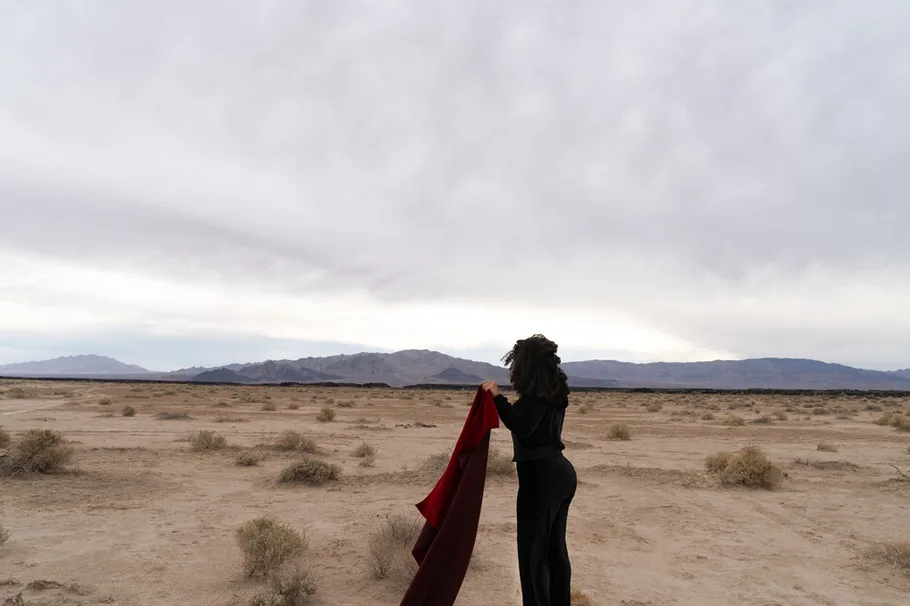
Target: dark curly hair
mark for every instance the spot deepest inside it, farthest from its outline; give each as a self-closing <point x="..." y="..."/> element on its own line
<point x="534" y="370"/>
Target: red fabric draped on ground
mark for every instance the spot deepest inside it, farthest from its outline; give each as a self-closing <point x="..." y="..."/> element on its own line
<point x="452" y="512"/>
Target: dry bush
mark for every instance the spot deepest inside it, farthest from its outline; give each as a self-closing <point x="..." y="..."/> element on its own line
<point x="895" y="554"/>
<point x="325" y="415"/>
<point x="347" y="404"/>
<point x="105" y="401"/>
<point x="365" y="450"/>
<point x="654" y="407"/>
<point x="269" y="407"/>
<point x="267" y="544"/>
<point x="708" y="416"/>
<point x="173" y="416"/>
<point x="763" y="420"/>
<point x="901" y="422"/>
<point x="390" y="547"/>
<point x="780" y="415"/>
<point x="293" y="406"/>
<point x="290" y="586"/>
<point x="734" y="421"/>
<point x="4" y="533"/>
<point x="826" y="465"/>
<point x="229" y="419"/>
<point x="16" y="393"/>
<point x="37" y="451"/>
<point x="207" y="440"/>
<point x="619" y="431"/>
<point x="246" y="459"/>
<point x="499" y="464"/>
<point x="580" y="598"/>
<point x="716" y="463"/>
<point x="292" y="441"/>
<point x="820" y="410"/>
<point x="4" y="438"/>
<point x="748" y="467"/>
<point x="825" y="447"/>
<point x="437" y="463"/>
<point x="128" y="411"/>
<point x="585" y="408"/>
<point x="309" y="471"/>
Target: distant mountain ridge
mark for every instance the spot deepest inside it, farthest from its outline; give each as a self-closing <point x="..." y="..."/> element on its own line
<point x="413" y="366"/>
<point x="76" y="365"/>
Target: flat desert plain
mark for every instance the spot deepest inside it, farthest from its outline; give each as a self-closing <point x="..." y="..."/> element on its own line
<point x="144" y="515"/>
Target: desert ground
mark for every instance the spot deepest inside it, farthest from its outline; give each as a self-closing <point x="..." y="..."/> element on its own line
<point x="146" y="516"/>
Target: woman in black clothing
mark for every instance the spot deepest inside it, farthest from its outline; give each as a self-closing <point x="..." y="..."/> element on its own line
<point x="546" y="479"/>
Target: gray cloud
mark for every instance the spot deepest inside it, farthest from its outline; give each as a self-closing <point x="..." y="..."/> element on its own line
<point x="694" y="164"/>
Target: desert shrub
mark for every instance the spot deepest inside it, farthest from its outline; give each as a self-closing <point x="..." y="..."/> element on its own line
<point x="437" y="463"/>
<point x="499" y="464"/>
<point x="820" y="410"/>
<point x="895" y="554"/>
<point x="326" y="414"/>
<point x="4" y="533"/>
<point x="825" y="447"/>
<point x="287" y="587"/>
<point x="173" y="416"/>
<point x="763" y="420"/>
<point x="16" y="393"/>
<point x="128" y="411"/>
<point x="4" y="438"/>
<point x="580" y="598"/>
<point x="207" y="440"/>
<point x="246" y="459"/>
<point x="349" y="404"/>
<point x="749" y="467"/>
<point x="229" y="419"/>
<point x="292" y="441"/>
<point x="365" y="450"/>
<point x="309" y="471"/>
<point x="269" y="407"/>
<point x="105" y="401"/>
<point x="267" y="544"/>
<point x="390" y="547"/>
<point x="780" y="415"/>
<point x="37" y="451"/>
<point x="716" y="463"/>
<point x="734" y="421"/>
<point x="655" y="407"/>
<point x="901" y="422"/>
<point x="619" y="431"/>
<point x="293" y="406"/>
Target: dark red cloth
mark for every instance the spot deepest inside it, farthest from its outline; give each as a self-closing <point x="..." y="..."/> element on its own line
<point x="452" y="512"/>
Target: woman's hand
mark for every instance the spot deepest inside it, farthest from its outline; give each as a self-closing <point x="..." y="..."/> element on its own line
<point x="490" y="386"/>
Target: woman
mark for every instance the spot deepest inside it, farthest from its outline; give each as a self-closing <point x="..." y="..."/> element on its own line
<point x="546" y="479"/>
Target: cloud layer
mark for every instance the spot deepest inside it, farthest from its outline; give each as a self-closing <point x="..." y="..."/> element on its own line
<point x="675" y="180"/>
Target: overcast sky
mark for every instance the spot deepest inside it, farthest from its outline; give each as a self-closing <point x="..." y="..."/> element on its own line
<point x="202" y="182"/>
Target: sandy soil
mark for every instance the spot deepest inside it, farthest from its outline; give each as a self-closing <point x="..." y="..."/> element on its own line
<point x="146" y="521"/>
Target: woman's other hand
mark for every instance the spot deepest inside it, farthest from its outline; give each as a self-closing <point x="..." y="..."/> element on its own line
<point x="490" y="386"/>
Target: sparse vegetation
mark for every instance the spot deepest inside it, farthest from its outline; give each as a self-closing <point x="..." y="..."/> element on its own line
<point x="365" y="450"/>
<point x="580" y="598"/>
<point x="37" y="451"/>
<point x="293" y="406"/>
<point x="734" y="421"/>
<point x="309" y="471"/>
<point x="708" y="416"/>
<point x="895" y="554"/>
<point x="820" y="410"/>
<point x="128" y="411"/>
<point x="780" y="415"/>
<point x="749" y="467"/>
<point x="246" y="459"/>
<point x="499" y="464"/>
<point x="619" y="431"/>
<point x="4" y="533"/>
<point x="290" y="586"/>
<point x="267" y="544"/>
<point x="292" y="441"/>
<point x="826" y="447"/>
<point x="896" y="419"/>
<point x="207" y="440"/>
<point x="763" y="420"/>
<point x="325" y="415"/>
<point x="105" y="401"/>
<point x="348" y="404"/>
<point x="437" y="463"/>
<point x="655" y="407"/>
<point x="269" y="407"/>
<point x="16" y="393"/>
<point x="390" y="547"/>
<point x="229" y="419"/>
<point x="173" y="416"/>
<point x="4" y="438"/>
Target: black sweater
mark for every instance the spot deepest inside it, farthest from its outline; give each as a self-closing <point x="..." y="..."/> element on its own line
<point x="536" y="426"/>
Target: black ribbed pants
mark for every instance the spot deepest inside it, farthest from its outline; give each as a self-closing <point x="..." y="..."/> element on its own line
<point x="545" y="491"/>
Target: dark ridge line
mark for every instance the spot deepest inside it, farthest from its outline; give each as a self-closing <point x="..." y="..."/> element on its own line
<point x="459" y="387"/>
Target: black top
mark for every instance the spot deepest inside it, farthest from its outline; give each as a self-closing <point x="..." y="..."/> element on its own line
<point x="536" y="426"/>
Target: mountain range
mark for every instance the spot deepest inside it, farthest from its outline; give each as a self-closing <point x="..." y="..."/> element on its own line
<point x="411" y="367"/>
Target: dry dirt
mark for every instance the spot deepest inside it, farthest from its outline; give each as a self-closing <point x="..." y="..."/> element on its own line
<point x="143" y="520"/>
